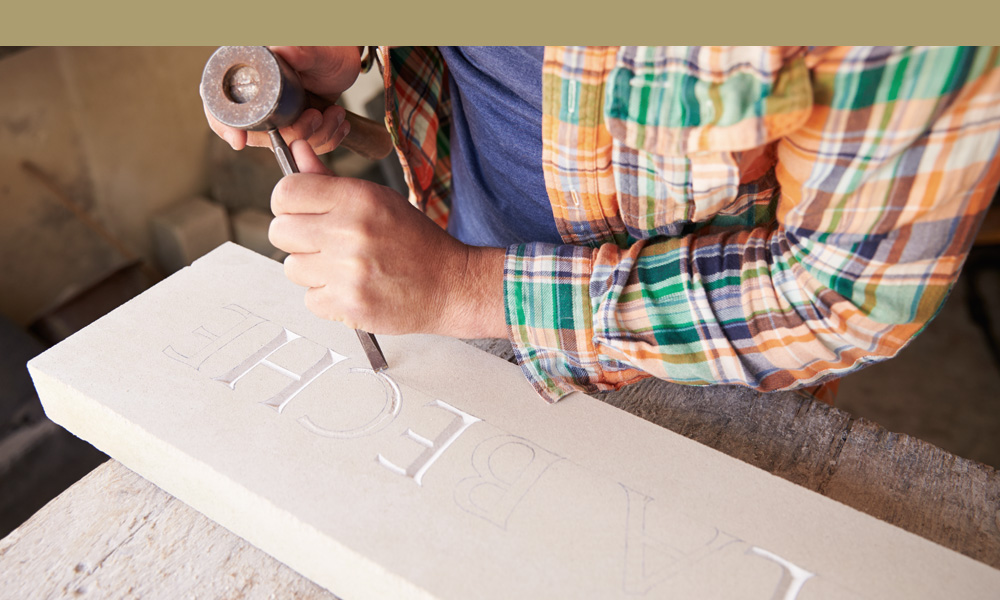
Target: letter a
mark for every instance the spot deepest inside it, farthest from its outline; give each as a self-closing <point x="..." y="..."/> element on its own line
<point x="651" y="560"/>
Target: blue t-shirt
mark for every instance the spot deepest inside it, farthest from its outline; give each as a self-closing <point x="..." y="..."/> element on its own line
<point x="499" y="194"/>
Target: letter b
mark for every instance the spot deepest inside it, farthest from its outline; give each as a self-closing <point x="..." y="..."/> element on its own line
<point x="507" y="467"/>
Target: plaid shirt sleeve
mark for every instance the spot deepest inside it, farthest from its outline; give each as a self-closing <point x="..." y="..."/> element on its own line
<point x="880" y="189"/>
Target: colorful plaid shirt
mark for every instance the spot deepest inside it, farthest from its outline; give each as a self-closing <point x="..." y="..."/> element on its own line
<point x="761" y="216"/>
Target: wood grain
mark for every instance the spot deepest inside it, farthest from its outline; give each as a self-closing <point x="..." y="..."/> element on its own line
<point x="115" y="535"/>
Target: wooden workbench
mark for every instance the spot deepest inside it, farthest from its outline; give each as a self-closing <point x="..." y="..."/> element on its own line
<point x="114" y="534"/>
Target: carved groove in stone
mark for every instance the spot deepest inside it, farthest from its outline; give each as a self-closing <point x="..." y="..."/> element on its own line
<point x="512" y="492"/>
<point x="216" y="341"/>
<point x="433" y="449"/>
<point x="652" y="559"/>
<point x="389" y="411"/>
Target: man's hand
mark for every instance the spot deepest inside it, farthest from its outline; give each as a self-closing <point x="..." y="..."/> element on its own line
<point x="325" y="71"/>
<point x="375" y="262"/>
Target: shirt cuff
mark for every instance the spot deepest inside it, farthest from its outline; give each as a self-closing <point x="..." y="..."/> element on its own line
<point x="550" y="318"/>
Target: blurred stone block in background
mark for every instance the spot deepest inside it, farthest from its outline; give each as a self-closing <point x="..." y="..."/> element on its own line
<point x="142" y="126"/>
<point x="46" y="253"/>
<point x="187" y="231"/>
<point x="243" y="179"/>
<point x="250" y="227"/>
<point x="93" y="141"/>
<point x="83" y="308"/>
<point x="18" y="403"/>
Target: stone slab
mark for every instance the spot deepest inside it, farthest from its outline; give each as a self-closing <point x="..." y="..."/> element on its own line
<point x="447" y="477"/>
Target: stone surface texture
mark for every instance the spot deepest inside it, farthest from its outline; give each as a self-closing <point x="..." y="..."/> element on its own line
<point x="450" y="478"/>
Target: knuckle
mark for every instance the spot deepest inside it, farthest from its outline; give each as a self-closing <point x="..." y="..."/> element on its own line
<point x="281" y="194"/>
<point x="355" y="271"/>
<point x="343" y="131"/>
<point x="293" y="268"/>
<point x="316" y="304"/>
<point x="368" y="224"/>
<point x="366" y="230"/>
<point x="313" y="305"/>
<point x="276" y="232"/>
<point x="354" y="301"/>
<point x="325" y="138"/>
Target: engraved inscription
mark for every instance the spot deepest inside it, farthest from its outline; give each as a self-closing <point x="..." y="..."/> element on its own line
<point x="792" y="579"/>
<point x="433" y="449"/>
<point x="650" y="560"/>
<point x="299" y="380"/>
<point x="658" y="544"/>
<point x="208" y="341"/>
<point x="236" y="322"/>
<point x="393" y="401"/>
<point x="506" y="466"/>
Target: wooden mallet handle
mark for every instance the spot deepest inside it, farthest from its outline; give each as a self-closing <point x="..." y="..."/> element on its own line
<point x="366" y="138"/>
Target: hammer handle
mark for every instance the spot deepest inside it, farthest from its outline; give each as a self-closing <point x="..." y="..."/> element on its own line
<point x="367" y="138"/>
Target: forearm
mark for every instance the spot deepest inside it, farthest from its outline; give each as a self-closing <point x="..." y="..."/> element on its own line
<point x="474" y="301"/>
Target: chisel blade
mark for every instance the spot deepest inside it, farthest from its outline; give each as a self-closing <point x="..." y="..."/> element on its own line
<point x="372" y="350"/>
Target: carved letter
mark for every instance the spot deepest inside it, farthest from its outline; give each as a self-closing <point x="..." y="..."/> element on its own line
<point x="433" y="449"/>
<point x="493" y="496"/>
<point x="792" y="579"/>
<point x="216" y="341"/>
<point x="299" y="381"/>
<point x="383" y="418"/>
<point x="649" y="561"/>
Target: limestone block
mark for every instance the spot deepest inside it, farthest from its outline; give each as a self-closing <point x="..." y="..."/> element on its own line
<point x="250" y="227"/>
<point x="187" y="231"/>
<point x="241" y="179"/>
<point x="446" y="476"/>
<point x="46" y="254"/>
<point x="142" y="126"/>
<point x="90" y="304"/>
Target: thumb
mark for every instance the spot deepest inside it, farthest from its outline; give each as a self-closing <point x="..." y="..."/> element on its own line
<point x="306" y="159"/>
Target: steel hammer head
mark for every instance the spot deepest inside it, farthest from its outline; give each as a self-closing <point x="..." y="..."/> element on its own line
<point x="249" y="87"/>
